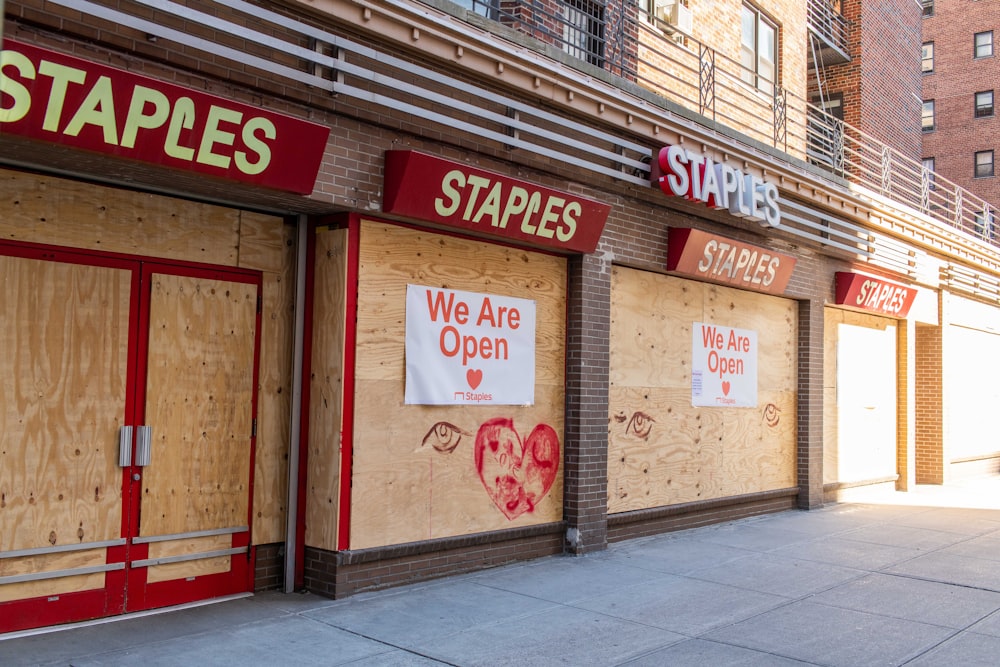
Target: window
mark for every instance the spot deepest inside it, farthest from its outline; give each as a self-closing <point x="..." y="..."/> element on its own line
<point x="758" y="49"/>
<point x="927" y="57"/>
<point x="984" y="104"/>
<point x="927" y="116"/>
<point x="928" y="171"/>
<point x="980" y="224"/>
<point x="583" y="30"/>
<point x="487" y="8"/>
<point x="984" y="44"/>
<point x="984" y="164"/>
<point x="928" y="6"/>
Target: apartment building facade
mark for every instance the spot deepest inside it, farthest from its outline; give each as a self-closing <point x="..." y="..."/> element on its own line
<point x="339" y="295"/>
<point x="960" y="71"/>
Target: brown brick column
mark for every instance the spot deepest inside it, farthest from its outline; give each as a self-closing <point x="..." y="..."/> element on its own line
<point x="585" y="496"/>
<point x="929" y="434"/>
<point x="810" y="404"/>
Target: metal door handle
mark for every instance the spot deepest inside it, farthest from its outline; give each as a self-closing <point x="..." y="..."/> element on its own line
<point x="125" y="447"/>
<point x="143" y="444"/>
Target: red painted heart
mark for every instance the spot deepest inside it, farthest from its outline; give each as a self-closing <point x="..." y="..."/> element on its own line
<point x="725" y="388"/>
<point x="516" y="475"/>
<point x="473" y="377"/>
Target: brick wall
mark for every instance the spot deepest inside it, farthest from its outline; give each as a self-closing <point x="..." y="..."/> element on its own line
<point x="269" y="570"/>
<point x="929" y="434"/>
<point x="956" y="78"/>
<point x="881" y="85"/>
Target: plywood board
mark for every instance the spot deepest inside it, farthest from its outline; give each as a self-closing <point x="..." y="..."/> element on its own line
<point x="866" y="405"/>
<point x="662" y="450"/>
<point x="190" y="568"/>
<point x="52" y="563"/>
<point x="415" y="475"/>
<point x="264" y="242"/>
<point x="45" y="209"/>
<point x="63" y="361"/>
<point x="326" y="388"/>
<point x="270" y="489"/>
<point x="199" y="391"/>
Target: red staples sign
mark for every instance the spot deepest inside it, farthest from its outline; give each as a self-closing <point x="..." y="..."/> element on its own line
<point x="698" y="254"/>
<point x="65" y="100"/>
<point x="875" y="295"/>
<point x="437" y="190"/>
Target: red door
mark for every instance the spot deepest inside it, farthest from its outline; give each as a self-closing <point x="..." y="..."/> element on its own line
<point x="127" y="412"/>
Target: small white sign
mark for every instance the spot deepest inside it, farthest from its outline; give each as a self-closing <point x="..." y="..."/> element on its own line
<point x="723" y="366"/>
<point x="468" y="348"/>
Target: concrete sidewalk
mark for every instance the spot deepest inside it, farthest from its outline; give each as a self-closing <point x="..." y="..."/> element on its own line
<point x="884" y="579"/>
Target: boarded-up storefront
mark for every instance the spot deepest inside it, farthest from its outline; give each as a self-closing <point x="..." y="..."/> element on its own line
<point x="665" y="446"/>
<point x="144" y="376"/>
<point x="416" y="471"/>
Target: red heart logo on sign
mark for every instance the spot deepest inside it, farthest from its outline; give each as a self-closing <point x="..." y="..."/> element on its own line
<point x="725" y="388"/>
<point x="516" y="475"/>
<point x="473" y="377"/>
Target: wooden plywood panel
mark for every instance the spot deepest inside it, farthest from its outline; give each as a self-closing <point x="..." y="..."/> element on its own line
<point x="392" y="257"/>
<point x="274" y="396"/>
<point x="653" y="314"/>
<point x="326" y="384"/>
<point x="191" y="568"/>
<point x="45" y="209"/>
<point x="870" y="375"/>
<point x="198" y="402"/>
<point x="264" y="242"/>
<point x="51" y="563"/>
<point x="415" y="475"/>
<point x="63" y="359"/>
<point x="664" y="451"/>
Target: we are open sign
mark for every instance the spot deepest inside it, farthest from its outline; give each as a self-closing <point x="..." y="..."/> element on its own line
<point x="468" y="348"/>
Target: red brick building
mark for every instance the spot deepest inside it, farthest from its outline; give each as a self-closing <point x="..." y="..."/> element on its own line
<point x="960" y="74"/>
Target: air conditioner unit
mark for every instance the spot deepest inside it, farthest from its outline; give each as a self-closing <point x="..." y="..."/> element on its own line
<point x="676" y="16"/>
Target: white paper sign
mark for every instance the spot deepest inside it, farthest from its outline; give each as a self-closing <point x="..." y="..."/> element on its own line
<point x="468" y="348"/>
<point x="723" y="366"/>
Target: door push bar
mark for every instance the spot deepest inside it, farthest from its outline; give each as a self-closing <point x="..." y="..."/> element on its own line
<point x="143" y="445"/>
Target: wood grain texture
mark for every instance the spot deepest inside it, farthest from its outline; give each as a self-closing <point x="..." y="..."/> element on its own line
<point x="63" y="362"/>
<point x="198" y="402"/>
<point x="102" y="218"/>
<point x="404" y="488"/>
<point x="664" y="451"/>
<point x="326" y="383"/>
<point x="52" y="563"/>
<point x="274" y="397"/>
<point x="191" y="568"/>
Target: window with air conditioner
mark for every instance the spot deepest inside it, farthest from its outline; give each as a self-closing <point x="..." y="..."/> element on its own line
<point x="758" y="49"/>
<point x="984" y="104"/>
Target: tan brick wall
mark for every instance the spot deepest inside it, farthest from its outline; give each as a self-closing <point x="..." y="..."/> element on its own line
<point x="929" y="452"/>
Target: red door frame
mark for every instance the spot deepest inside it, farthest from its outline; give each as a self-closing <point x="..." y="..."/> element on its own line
<point x="114" y="596"/>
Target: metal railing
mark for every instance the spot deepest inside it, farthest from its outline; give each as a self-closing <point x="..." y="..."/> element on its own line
<point x="826" y="21"/>
<point x="643" y="49"/>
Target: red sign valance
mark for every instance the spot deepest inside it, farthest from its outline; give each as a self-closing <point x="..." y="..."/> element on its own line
<point x="875" y="295"/>
<point x="61" y="99"/>
<point x="430" y="188"/>
<point x="706" y="256"/>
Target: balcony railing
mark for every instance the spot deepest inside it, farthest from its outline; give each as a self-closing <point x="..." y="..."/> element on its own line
<point x="643" y="49"/>
<point x="828" y="25"/>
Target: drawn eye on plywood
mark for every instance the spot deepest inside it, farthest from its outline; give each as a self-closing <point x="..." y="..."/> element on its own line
<point x="516" y="474"/>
